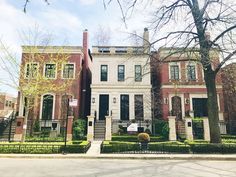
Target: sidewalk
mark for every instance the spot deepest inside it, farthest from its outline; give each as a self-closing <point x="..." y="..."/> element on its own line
<point x="228" y="157"/>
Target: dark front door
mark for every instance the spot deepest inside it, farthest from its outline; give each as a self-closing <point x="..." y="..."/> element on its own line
<point x="200" y="107"/>
<point x="103" y="106"/>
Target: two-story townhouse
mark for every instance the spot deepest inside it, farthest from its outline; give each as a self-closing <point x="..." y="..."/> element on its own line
<point x="181" y="84"/>
<point x="121" y="85"/>
<point x="64" y="73"/>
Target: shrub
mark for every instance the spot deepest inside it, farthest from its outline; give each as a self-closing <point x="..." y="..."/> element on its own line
<point x="148" y="131"/>
<point x="162" y="128"/>
<point x="143" y="137"/>
<point x="213" y="148"/>
<point x="36" y="127"/>
<point x="43" y="148"/>
<point x="79" y="129"/>
<point x="174" y="147"/>
<point x="133" y="138"/>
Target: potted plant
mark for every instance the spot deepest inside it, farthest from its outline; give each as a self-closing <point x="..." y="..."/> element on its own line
<point x="143" y="139"/>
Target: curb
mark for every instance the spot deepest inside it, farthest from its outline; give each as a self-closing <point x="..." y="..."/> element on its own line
<point x="124" y="157"/>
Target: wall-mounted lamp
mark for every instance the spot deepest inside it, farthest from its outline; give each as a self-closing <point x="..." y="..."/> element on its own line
<point x="186" y="100"/>
<point x="165" y="100"/>
<point x="93" y="100"/>
<point x="114" y="99"/>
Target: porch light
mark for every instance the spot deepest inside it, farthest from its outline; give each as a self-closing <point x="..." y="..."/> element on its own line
<point x="165" y="100"/>
<point x="114" y="99"/>
<point x="186" y="100"/>
<point x="93" y="100"/>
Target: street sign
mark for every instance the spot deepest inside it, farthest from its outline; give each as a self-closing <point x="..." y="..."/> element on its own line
<point x="73" y="102"/>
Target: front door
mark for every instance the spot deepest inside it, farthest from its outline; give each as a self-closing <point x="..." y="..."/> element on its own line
<point x="103" y="106"/>
<point x="176" y="107"/>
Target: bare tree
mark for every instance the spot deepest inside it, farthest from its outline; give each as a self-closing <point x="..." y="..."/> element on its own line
<point x="186" y="24"/>
<point x="102" y="36"/>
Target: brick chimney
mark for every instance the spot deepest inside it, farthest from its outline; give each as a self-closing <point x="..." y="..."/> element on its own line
<point x="146" y="43"/>
<point x="85" y="47"/>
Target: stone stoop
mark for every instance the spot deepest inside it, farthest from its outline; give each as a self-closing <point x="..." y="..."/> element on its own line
<point x="180" y="128"/>
<point x="99" y="130"/>
<point x="95" y="148"/>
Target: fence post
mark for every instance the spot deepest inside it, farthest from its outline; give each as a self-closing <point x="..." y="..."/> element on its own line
<point x="108" y="128"/>
<point x="69" y="128"/>
<point x="172" y="128"/>
<point x="90" y="129"/>
<point x="19" y="128"/>
<point x="189" y="128"/>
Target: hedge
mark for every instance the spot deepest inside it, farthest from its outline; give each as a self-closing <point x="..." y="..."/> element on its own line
<point x="213" y="148"/>
<point x="43" y="148"/>
<point x="159" y="147"/>
<point x="134" y="138"/>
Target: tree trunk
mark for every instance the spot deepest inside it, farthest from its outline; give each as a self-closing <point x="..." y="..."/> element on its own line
<point x="25" y="124"/>
<point x="212" y="104"/>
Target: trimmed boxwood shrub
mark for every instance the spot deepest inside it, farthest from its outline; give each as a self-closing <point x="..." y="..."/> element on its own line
<point x="43" y="148"/>
<point x="213" y="148"/>
<point x="174" y="147"/>
<point x="112" y="147"/>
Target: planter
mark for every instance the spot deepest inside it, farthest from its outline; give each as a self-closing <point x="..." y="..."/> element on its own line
<point x="143" y="146"/>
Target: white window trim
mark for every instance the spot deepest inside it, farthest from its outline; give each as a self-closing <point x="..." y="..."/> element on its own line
<point x="55" y="71"/>
<point x="173" y="64"/>
<point x="53" y="108"/>
<point x="25" y="68"/>
<point x="186" y="69"/>
<point x="63" y="65"/>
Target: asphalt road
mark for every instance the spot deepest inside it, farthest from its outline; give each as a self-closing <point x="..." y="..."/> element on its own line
<point x="114" y="168"/>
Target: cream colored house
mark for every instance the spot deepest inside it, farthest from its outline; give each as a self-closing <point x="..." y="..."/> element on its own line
<point x="121" y="85"/>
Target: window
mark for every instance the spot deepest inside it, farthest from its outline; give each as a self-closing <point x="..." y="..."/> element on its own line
<point x="68" y="71"/>
<point x="174" y="72"/>
<point x="121" y="50"/>
<point x="31" y="70"/>
<point x="6" y="104"/>
<point x="138" y="73"/>
<point x="121" y="72"/>
<point x="124" y="107"/>
<point x="47" y="107"/>
<point x="50" y="71"/>
<point x="191" y="72"/>
<point x="103" y="72"/>
<point x="104" y="50"/>
<point x="138" y="103"/>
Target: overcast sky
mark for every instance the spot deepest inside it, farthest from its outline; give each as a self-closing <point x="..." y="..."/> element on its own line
<point x="66" y="20"/>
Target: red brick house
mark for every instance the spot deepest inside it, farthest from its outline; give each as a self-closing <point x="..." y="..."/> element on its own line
<point x="66" y="72"/>
<point x="179" y="81"/>
<point x="229" y="91"/>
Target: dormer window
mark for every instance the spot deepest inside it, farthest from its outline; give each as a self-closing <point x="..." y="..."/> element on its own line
<point x="104" y="50"/>
<point x="121" y="50"/>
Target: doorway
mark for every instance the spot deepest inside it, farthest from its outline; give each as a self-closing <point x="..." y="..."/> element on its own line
<point x="103" y="106"/>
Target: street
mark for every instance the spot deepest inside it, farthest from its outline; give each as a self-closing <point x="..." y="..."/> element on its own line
<point x="106" y="168"/>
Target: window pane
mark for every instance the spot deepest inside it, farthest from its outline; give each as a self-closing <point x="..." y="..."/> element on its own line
<point x="124" y="107"/>
<point x="103" y="72"/>
<point x="121" y="72"/>
<point x="174" y="72"/>
<point x="138" y="73"/>
<point x="191" y="72"/>
<point x="31" y="70"/>
<point x="138" y="102"/>
<point x="68" y="71"/>
<point x="47" y="107"/>
<point x="50" y="70"/>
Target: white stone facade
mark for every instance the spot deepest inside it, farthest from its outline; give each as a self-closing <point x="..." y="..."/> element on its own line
<point x="115" y="88"/>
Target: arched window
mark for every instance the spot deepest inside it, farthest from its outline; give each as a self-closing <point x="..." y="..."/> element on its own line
<point x="47" y="107"/>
